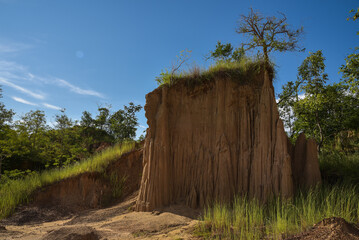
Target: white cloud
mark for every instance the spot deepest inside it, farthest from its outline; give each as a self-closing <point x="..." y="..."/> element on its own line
<point x="12" y="73"/>
<point x="11" y="66"/>
<point x="78" y="90"/>
<point x="51" y="106"/>
<point x="21" y="89"/>
<point x="141" y="126"/>
<point x="13" y="47"/>
<point x="21" y="100"/>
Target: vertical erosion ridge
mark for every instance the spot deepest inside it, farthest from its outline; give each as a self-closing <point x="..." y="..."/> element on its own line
<point x="218" y="140"/>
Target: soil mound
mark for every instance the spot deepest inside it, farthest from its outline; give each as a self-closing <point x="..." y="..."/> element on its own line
<point x="213" y="141"/>
<point x="73" y="233"/>
<point x="330" y="229"/>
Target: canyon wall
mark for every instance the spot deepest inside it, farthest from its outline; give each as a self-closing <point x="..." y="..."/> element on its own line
<point x="216" y="140"/>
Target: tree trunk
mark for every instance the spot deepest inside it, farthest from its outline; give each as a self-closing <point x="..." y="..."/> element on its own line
<point x="321" y="137"/>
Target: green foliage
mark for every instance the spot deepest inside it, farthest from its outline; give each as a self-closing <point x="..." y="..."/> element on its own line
<point x="324" y="110"/>
<point x="122" y="124"/>
<point x="119" y="125"/>
<point x="224" y="52"/>
<point x="30" y="144"/>
<point x="311" y="73"/>
<point x="16" y="174"/>
<point x="355" y="15"/>
<point x="5" y="115"/>
<point x="164" y="78"/>
<point x="337" y="166"/>
<point x="18" y="191"/>
<point x="287" y="100"/>
<point x="351" y="72"/>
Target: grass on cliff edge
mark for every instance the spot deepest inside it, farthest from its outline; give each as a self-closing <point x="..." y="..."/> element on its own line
<point x="16" y="192"/>
<point x="242" y="71"/>
<point x="278" y="219"/>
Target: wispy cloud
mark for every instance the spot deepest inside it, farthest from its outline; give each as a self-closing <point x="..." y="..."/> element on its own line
<point x="51" y="106"/>
<point x="21" y="100"/>
<point x="22" y="89"/>
<point x="76" y="89"/>
<point x="11" y="72"/>
<point x="13" y="47"/>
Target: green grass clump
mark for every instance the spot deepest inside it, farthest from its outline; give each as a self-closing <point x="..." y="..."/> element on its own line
<point x="248" y="219"/>
<point x="242" y="71"/>
<point x="16" y="192"/>
<point x="338" y="196"/>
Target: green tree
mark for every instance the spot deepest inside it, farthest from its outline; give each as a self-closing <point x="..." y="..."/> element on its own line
<point x="312" y="76"/>
<point x="24" y="144"/>
<point x="34" y="124"/>
<point x="67" y="142"/>
<point x="87" y="120"/>
<point x="350" y="72"/>
<point x="287" y="101"/>
<point x="5" y="117"/>
<point x="224" y="52"/>
<point x="102" y="118"/>
<point x="123" y="122"/>
<point x="5" y="114"/>
<point x="323" y="111"/>
<point x="269" y="34"/>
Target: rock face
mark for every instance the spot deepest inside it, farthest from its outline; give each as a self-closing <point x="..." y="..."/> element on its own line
<point x="305" y="162"/>
<point x="214" y="141"/>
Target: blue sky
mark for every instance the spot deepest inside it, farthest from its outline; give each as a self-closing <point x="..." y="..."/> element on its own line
<point x="81" y="54"/>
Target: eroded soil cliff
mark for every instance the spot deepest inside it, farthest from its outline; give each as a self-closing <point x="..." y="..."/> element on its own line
<point x="217" y="140"/>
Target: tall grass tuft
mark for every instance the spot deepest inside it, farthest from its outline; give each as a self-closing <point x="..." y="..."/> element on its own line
<point x="248" y="219"/>
<point x="16" y="192"/>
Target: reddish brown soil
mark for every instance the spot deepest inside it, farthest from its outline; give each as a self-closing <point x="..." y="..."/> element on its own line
<point x="130" y="167"/>
<point x="330" y="229"/>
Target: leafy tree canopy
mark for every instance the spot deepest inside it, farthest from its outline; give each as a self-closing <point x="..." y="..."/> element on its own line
<point x="224" y="52"/>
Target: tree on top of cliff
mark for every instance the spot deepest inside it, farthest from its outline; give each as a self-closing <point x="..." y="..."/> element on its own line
<point x="268" y="33"/>
<point x="224" y="52"/>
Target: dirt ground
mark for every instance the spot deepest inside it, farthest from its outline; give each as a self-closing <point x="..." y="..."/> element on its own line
<point x="121" y="222"/>
<point x="117" y="222"/>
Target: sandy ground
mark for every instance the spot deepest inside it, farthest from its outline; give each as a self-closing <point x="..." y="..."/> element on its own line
<point x="117" y="222"/>
<point x="121" y="222"/>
